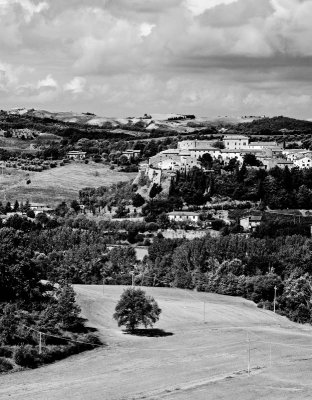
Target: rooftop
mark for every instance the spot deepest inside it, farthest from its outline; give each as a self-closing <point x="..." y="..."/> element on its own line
<point x="263" y="144"/>
<point x="235" y="137"/>
<point x="255" y="218"/>
<point x="241" y="151"/>
<point x="184" y="213"/>
<point x="284" y="162"/>
<point x="171" y="151"/>
<point x="204" y="149"/>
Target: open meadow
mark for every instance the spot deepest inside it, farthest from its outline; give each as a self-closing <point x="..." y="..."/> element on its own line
<point x="57" y="184"/>
<point x="200" y="350"/>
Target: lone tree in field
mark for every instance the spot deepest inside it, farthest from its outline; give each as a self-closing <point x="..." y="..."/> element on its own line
<point x="135" y="308"/>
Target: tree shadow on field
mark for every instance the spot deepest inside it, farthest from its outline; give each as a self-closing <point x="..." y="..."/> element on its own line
<point x="154" y="332"/>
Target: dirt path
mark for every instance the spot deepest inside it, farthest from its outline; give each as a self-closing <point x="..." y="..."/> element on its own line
<point x="192" y="360"/>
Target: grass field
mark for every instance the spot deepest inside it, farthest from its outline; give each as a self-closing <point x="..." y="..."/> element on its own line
<point x="193" y="358"/>
<point x="57" y="184"/>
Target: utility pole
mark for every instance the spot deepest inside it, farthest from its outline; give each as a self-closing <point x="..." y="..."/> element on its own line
<point x="248" y="354"/>
<point x="132" y="274"/>
<point x="274" y="302"/>
<point x="40" y="342"/>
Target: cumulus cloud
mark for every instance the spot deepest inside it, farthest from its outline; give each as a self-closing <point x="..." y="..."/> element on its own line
<point x="191" y="53"/>
<point x="47" y="82"/>
<point x="76" y="85"/>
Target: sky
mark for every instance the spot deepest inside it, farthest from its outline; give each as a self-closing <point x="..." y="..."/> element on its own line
<point x="130" y="57"/>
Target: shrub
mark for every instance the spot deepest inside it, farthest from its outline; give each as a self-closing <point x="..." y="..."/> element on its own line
<point x="6" y="352"/>
<point x="91" y="338"/>
<point x="5" y="365"/>
<point x="26" y="356"/>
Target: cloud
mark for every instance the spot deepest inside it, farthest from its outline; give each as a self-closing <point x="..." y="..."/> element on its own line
<point x="28" y="7"/>
<point x="146" y="29"/>
<point x="199" y="6"/>
<point x="155" y="53"/>
<point x="76" y="85"/>
<point x="47" y="82"/>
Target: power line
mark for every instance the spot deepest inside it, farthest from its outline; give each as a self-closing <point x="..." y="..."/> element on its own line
<point x="58" y="337"/>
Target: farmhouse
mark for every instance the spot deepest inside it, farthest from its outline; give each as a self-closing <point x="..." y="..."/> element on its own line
<point x="251" y="222"/>
<point x="40" y="208"/>
<point x="184" y="216"/>
<point x="131" y="154"/>
<point x="76" y="155"/>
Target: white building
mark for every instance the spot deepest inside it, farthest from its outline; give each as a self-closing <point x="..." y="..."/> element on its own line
<point x="251" y="222"/>
<point x="270" y="163"/>
<point x="40" y="208"/>
<point x="233" y="142"/>
<point x="296" y="154"/>
<point x="263" y="145"/>
<point x="76" y="155"/>
<point x="200" y="151"/>
<point x="227" y="154"/>
<point x="305" y="162"/>
<point x="184" y="216"/>
<point x="195" y="144"/>
<point x="131" y="154"/>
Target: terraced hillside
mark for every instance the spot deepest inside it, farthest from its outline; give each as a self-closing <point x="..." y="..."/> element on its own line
<point x="201" y="350"/>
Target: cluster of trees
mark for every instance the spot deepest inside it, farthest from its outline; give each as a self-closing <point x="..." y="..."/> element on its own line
<point x="277" y="188"/>
<point x="75" y="251"/>
<point x="239" y="266"/>
<point x="27" y="306"/>
<point x="117" y="194"/>
<point x="269" y="126"/>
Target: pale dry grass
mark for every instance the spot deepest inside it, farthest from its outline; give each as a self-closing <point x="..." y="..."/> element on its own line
<point x="57" y="184"/>
<point x="200" y="360"/>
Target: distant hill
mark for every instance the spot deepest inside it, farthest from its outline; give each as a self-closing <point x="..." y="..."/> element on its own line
<point x="77" y="125"/>
<point x="276" y="125"/>
<point x="60" y="124"/>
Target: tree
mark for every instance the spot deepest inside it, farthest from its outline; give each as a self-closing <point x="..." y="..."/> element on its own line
<point x="155" y="190"/>
<point x="66" y="310"/>
<point x="135" y="308"/>
<point x="137" y="200"/>
<point x="206" y="160"/>
<point x="251" y="159"/>
<point x="16" y="206"/>
<point x="31" y="214"/>
<point x="8" y="207"/>
<point x="75" y="206"/>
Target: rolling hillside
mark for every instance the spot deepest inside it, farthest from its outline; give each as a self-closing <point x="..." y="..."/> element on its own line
<point x="193" y="358"/>
<point x="57" y="184"/>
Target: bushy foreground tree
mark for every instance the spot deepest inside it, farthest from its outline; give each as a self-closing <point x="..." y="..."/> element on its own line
<point x="135" y="308"/>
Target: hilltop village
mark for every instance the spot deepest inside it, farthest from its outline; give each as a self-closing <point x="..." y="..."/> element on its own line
<point x="189" y="153"/>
